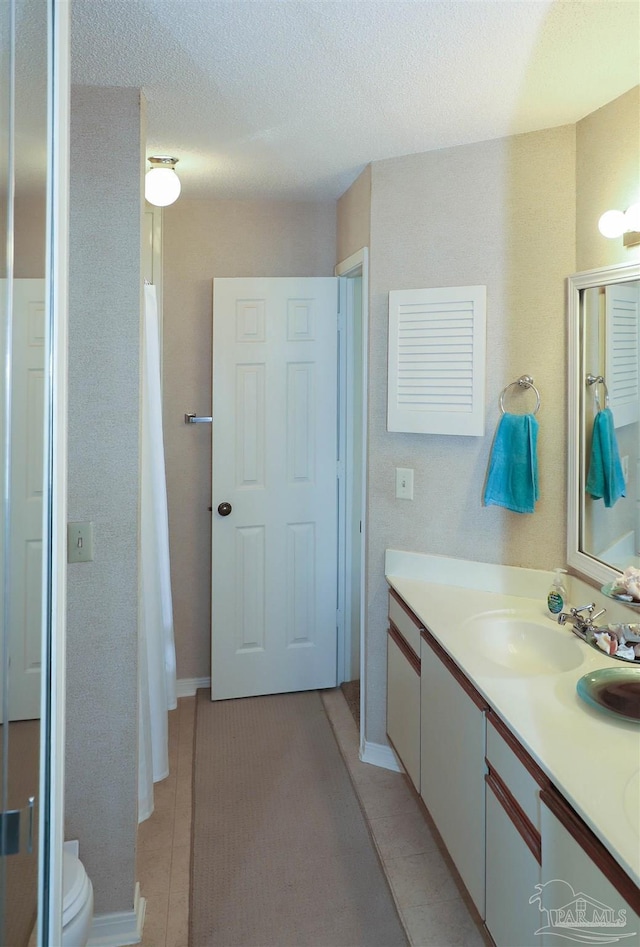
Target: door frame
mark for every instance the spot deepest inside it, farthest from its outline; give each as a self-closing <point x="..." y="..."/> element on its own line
<point x="356" y="265"/>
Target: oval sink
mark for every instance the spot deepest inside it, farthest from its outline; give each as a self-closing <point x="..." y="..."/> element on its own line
<point x="526" y="645"/>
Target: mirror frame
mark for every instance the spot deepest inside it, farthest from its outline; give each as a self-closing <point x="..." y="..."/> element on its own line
<point x="586" y="566"/>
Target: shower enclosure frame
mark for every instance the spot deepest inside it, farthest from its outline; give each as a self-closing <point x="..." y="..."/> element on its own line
<point x="52" y="743"/>
<point x="52" y="88"/>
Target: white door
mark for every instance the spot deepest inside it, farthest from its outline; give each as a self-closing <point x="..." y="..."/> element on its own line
<point x="27" y="451"/>
<point x="274" y="556"/>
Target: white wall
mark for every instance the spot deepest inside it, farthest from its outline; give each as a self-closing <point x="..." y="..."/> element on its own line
<point x="607" y="177"/>
<point x="104" y="325"/>
<point x="499" y="213"/>
<point x="520" y="215"/>
<point x="354" y="216"/>
<point x="201" y="240"/>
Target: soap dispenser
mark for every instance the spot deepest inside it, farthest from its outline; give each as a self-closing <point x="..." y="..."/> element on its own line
<point x="557" y="597"/>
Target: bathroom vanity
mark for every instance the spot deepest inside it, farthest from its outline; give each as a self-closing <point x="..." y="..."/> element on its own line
<point x="535" y="794"/>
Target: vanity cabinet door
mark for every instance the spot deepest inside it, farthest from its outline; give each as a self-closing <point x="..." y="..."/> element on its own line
<point x="452" y="739"/>
<point x="513" y="846"/>
<point x="403" y="704"/>
<point x="583" y="887"/>
<point x="403" y="685"/>
<point x="512" y="873"/>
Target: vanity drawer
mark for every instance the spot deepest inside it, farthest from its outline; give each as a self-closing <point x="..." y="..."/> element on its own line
<point x="520" y="774"/>
<point x="405" y="621"/>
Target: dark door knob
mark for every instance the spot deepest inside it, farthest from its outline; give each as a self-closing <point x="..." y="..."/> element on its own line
<point x="224" y="509"/>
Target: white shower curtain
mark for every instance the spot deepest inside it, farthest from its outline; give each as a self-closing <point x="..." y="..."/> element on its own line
<point x="156" y="648"/>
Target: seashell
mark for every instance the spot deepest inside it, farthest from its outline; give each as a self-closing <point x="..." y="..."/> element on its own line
<point x="633" y="588"/>
<point x="629" y="582"/>
<point x="604" y="642"/>
<point x="632" y="632"/>
<point x="617" y="631"/>
<point x="627" y="653"/>
<point x="619" y="585"/>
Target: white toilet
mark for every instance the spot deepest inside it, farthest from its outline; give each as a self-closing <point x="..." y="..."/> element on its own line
<point x="77" y="902"/>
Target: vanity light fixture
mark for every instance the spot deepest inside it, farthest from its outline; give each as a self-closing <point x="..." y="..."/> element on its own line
<point x="161" y="183"/>
<point x="625" y="224"/>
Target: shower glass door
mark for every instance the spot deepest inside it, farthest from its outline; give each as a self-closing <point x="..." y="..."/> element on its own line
<point x="23" y="472"/>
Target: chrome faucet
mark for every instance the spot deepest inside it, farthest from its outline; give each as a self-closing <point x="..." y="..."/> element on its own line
<point x="581" y="624"/>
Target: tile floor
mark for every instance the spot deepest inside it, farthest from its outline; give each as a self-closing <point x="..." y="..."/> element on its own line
<point x="428" y="895"/>
<point x="164" y="840"/>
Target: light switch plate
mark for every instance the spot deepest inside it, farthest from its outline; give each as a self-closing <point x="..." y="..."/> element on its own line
<point x="404" y="483"/>
<point x="80" y="542"/>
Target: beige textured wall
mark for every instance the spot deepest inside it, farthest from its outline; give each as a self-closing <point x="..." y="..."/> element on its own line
<point x="500" y="213"/>
<point x="354" y="216"/>
<point x="607" y="177"/>
<point x="102" y="651"/>
<point x="203" y="239"/>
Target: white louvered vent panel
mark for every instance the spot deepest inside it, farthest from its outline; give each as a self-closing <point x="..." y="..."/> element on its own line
<point x="436" y="360"/>
<point x="435" y="356"/>
<point x="621" y="372"/>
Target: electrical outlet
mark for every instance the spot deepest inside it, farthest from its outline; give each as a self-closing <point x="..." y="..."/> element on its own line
<point x="625" y="467"/>
<point x="404" y="483"/>
<point x="79" y="542"/>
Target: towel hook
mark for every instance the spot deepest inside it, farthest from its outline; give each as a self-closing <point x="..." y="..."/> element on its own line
<point x="525" y="381"/>
<point x="599" y="380"/>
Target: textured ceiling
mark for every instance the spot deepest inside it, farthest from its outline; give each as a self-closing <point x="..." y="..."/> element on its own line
<point x="292" y="98"/>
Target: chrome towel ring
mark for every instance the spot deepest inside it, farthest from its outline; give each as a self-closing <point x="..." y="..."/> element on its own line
<point x="525" y="381"/>
<point x="599" y="380"/>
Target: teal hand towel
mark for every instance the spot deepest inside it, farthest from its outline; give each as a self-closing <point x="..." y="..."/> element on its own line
<point x="605" y="479"/>
<point x="512" y="480"/>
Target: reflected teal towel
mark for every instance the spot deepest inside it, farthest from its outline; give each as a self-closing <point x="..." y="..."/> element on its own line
<point x="605" y="479"/>
<point x="512" y="481"/>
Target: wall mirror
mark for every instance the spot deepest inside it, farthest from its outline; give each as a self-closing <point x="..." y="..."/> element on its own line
<point x="604" y="356"/>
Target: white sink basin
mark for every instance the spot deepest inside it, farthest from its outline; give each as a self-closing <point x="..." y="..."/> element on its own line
<point x="524" y="644"/>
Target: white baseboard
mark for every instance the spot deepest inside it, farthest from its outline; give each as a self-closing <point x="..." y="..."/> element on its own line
<point x="187" y="686"/>
<point x="380" y="755"/>
<point x="120" y="928"/>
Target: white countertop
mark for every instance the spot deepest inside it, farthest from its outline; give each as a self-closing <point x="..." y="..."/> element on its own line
<point x="593" y="758"/>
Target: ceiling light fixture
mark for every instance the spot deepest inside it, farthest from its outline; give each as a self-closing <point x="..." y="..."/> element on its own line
<point x="625" y="224"/>
<point x="161" y="183"/>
